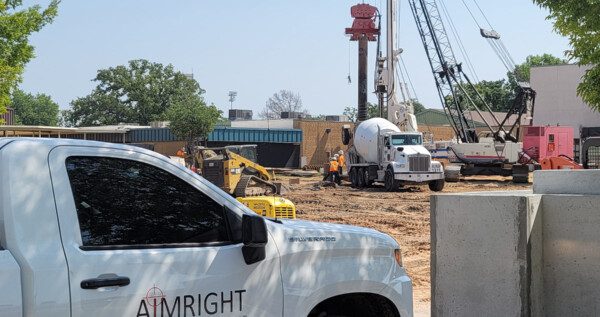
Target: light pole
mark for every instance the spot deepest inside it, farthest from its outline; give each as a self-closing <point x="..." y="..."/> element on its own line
<point x="232" y="96"/>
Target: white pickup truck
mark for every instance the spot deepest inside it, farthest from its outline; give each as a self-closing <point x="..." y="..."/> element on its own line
<point x="98" y="229"/>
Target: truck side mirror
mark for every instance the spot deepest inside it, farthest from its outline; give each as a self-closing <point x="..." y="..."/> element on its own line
<point x="400" y="149"/>
<point x="255" y="237"/>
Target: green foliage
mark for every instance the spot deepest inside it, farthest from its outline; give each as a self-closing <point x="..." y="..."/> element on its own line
<point x="16" y="25"/>
<point x="418" y="106"/>
<point x="192" y="119"/>
<point x="522" y="71"/>
<point x="34" y="110"/>
<point x="139" y="92"/>
<point x="97" y="109"/>
<point x="578" y="20"/>
<point x="350" y="112"/>
<point x="498" y="95"/>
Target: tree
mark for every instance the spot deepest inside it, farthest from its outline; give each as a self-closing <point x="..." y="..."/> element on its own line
<point x="578" y="20"/>
<point x="283" y="101"/>
<point x="34" y="110"/>
<point x="418" y="106"/>
<point x="192" y="119"/>
<point x="350" y="112"/>
<point x="139" y="92"/>
<point x="497" y="94"/>
<point x="16" y="26"/>
<point x="522" y="72"/>
<point x="97" y="109"/>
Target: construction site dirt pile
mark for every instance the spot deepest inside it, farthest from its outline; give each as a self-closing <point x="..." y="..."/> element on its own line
<point x="404" y="215"/>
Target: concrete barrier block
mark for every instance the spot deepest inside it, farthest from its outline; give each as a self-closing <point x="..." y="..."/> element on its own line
<point x="481" y="258"/>
<point x="577" y="182"/>
<point x="571" y="250"/>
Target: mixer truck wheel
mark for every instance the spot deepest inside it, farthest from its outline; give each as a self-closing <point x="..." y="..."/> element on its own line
<point x="353" y="177"/>
<point x="368" y="180"/>
<point x="360" y="176"/>
<point x="390" y="182"/>
<point x="437" y="185"/>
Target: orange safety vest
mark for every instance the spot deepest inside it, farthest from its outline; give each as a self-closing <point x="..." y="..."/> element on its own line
<point x="342" y="160"/>
<point x="333" y="166"/>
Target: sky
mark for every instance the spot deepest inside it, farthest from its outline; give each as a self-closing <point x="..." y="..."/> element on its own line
<point x="260" y="47"/>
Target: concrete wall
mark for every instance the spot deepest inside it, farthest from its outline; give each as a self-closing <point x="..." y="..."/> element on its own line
<point x="479" y="255"/>
<point x="519" y="253"/>
<point x="557" y="102"/>
<point x="571" y="253"/>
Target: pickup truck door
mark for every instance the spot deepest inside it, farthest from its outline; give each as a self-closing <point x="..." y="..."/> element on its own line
<point x="143" y="237"/>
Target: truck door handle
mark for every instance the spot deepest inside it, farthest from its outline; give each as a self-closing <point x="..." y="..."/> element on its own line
<point x="95" y="283"/>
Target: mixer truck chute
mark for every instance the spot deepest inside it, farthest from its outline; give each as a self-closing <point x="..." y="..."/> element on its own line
<point x="382" y="153"/>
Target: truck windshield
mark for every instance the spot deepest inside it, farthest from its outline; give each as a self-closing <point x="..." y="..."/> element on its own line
<point x="407" y="139"/>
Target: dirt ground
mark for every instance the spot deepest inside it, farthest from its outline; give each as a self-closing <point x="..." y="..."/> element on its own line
<point x="404" y="215"/>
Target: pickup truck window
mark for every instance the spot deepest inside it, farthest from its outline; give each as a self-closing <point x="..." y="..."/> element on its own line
<point x="128" y="203"/>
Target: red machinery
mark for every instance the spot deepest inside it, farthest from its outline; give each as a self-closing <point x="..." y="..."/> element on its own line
<point x="559" y="163"/>
<point x="540" y="143"/>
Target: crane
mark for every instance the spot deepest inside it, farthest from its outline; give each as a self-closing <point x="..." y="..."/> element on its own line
<point x="387" y="87"/>
<point x="459" y="97"/>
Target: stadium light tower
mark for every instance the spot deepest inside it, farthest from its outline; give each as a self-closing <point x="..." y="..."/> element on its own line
<point x="232" y="97"/>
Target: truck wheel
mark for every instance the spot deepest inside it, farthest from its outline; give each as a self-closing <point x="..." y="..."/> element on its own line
<point x="353" y="177"/>
<point x="368" y="180"/>
<point x="437" y="185"/>
<point x="390" y="182"/>
<point x="360" y="175"/>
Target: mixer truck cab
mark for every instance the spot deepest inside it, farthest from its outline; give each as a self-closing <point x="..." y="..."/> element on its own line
<point x="97" y="229"/>
<point x="382" y="153"/>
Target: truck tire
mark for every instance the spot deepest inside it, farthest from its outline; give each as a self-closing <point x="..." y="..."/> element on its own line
<point x="368" y="180"/>
<point x="437" y="185"/>
<point x="390" y="182"/>
<point x="360" y="176"/>
<point x="353" y="177"/>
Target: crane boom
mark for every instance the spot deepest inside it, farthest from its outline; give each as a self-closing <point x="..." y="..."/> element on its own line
<point x="457" y="92"/>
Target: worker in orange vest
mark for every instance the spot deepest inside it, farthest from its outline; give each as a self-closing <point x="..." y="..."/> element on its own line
<point x="341" y="162"/>
<point x="334" y="171"/>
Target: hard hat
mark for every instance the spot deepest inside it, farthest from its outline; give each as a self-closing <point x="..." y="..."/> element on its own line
<point x="336" y="156"/>
<point x="332" y="158"/>
<point x="341" y="152"/>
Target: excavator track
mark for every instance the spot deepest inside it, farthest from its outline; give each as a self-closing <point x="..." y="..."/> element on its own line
<point x="246" y="182"/>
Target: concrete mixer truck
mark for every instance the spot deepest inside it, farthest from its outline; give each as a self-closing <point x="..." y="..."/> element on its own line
<point x="382" y="153"/>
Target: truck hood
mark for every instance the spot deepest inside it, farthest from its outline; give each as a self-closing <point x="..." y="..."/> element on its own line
<point x="292" y="236"/>
<point x="415" y="149"/>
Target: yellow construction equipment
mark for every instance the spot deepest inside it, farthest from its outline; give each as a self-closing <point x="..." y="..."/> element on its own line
<point x="234" y="173"/>
<point x="244" y="179"/>
<point x="272" y="207"/>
